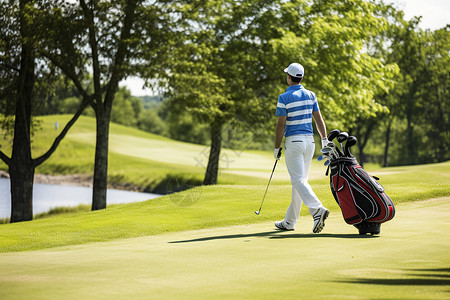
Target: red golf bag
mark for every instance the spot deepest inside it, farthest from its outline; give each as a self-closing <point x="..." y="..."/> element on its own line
<point x="361" y="197"/>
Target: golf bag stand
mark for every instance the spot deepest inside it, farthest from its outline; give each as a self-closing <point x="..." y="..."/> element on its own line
<point x="361" y="197"/>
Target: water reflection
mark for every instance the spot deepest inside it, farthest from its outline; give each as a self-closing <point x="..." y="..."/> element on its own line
<point x="48" y="196"/>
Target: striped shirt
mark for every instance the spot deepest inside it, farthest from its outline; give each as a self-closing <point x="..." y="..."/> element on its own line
<point x="298" y="104"/>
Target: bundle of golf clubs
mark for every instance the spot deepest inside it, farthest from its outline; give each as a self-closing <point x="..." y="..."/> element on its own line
<point x="330" y="152"/>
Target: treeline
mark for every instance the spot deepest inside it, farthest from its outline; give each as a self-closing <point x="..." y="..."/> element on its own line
<point x="413" y="127"/>
<point x="219" y="63"/>
<point x="409" y="126"/>
<point x="151" y="114"/>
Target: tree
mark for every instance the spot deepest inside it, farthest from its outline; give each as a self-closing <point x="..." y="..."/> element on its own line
<point x="367" y="126"/>
<point x="108" y="40"/>
<point x="416" y="110"/>
<point x="434" y="97"/>
<point x="418" y="103"/>
<point x="21" y="31"/>
<point x="230" y="67"/>
<point x="217" y="69"/>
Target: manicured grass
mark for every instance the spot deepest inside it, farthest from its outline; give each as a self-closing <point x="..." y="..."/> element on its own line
<point x="151" y="161"/>
<point x="409" y="260"/>
<point x="205" y="207"/>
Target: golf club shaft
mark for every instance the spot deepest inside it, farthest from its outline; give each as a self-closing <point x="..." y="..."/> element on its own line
<point x="259" y="211"/>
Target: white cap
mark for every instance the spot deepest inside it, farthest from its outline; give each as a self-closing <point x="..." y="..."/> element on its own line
<point x="295" y="70"/>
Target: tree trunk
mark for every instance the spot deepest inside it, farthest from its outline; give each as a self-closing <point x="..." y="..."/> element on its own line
<point x="362" y="156"/>
<point x="361" y="145"/>
<point x="21" y="168"/>
<point x="212" y="169"/>
<point x="101" y="162"/>
<point x="21" y="175"/>
<point x="386" y="143"/>
<point x="410" y="147"/>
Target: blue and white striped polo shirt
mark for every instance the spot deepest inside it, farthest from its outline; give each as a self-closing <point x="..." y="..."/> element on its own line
<point x="298" y="104"/>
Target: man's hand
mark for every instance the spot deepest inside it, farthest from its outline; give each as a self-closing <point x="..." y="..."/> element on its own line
<point x="277" y="153"/>
<point x="324" y="142"/>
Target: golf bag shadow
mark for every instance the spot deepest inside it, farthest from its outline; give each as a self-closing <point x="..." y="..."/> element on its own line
<point x="361" y="197"/>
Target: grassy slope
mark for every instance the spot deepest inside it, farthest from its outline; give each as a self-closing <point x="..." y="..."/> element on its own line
<point x="204" y="207"/>
<point x="140" y="158"/>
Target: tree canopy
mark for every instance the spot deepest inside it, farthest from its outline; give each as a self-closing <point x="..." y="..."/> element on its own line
<point x="229" y="68"/>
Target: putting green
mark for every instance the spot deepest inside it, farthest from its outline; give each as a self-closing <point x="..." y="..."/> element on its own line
<point x="409" y="260"/>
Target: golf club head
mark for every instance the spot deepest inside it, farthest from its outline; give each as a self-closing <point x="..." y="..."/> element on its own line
<point x="333" y="133"/>
<point x="336" y="152"/>
<point x="351" y="141"/>
<point x="257" y="212"/>
<point x="341" y="137"/>
<point x="326" y="150"/>
<point x="320" y="158"/>
<point x="326" y="163"/>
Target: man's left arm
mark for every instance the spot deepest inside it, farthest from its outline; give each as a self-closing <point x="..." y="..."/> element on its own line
<point x="320" y="125"/>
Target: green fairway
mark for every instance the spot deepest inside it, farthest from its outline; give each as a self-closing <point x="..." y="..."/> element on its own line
<point x="409" y="260"/>
<point x="143" y="159"/>
<point x="206" y="207"/>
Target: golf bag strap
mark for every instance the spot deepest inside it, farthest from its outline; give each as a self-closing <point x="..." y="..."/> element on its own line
<point x="339" y="175"/>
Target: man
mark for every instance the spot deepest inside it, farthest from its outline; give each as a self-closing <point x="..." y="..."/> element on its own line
<point x="295" y="110"/>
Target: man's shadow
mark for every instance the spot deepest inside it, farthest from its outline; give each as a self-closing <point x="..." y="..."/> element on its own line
<point x="277" y="234"/>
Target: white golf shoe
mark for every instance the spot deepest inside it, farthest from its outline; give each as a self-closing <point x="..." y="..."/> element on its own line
<point x="319" y="219"/>
<point x="283" y="225"/>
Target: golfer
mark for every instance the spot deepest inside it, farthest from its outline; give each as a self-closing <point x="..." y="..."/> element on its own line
<point x="295" y="110"/>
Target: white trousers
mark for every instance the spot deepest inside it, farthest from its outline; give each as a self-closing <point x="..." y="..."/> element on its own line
<point x="299" y="151"/>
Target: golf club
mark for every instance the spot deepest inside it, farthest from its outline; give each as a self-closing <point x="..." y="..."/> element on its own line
<point x="342" y="137"/>
<point x="335" y="153"/>
<point x="326" y="163"/>
<point x="259" y="211"/>
<point x="350" y="143"/>
<point x="331" y="136"/>
<point x="333" y="133"/>
<point x="326" y="150"/>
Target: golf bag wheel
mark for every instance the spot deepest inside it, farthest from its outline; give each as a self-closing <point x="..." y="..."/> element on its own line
<point x="368" y="228"/>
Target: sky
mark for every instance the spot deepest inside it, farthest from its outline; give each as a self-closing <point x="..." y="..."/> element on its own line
<point x="435" y="14"/>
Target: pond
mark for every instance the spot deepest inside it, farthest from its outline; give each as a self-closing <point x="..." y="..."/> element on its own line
<point x="49" y="196"/>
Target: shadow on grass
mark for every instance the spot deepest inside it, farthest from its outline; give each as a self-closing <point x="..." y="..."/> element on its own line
<point x="326" y="235"/>
<point x="401" y="281"/>
<point x="421" y="277"/>
<point x="441" y="270"/>
<point x="174" y="183"/>
<point x="276" y="234"/>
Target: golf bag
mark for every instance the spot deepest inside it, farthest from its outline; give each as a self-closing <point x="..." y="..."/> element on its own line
<point x="361" y="197"/>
